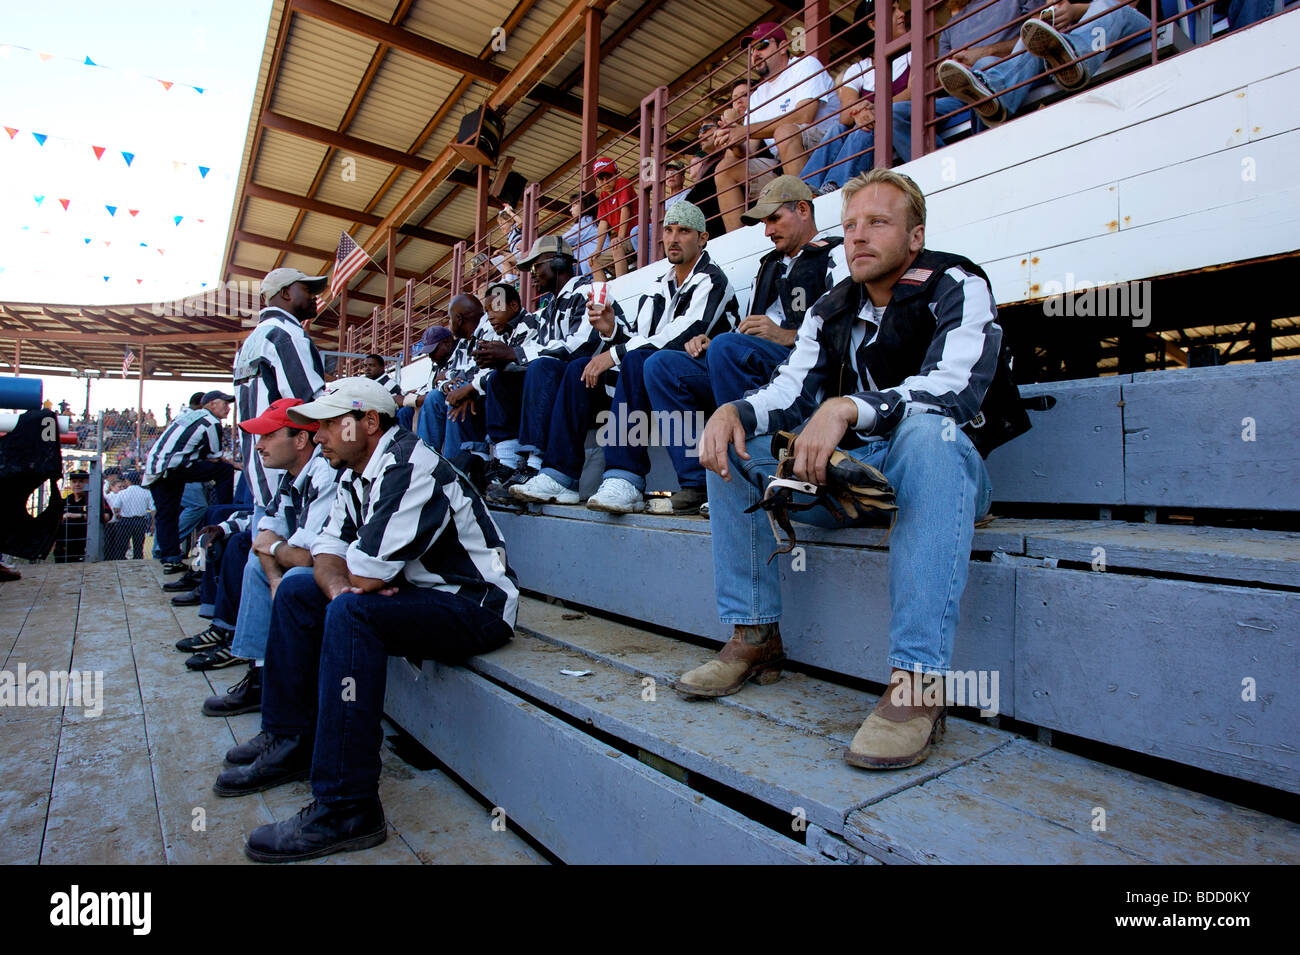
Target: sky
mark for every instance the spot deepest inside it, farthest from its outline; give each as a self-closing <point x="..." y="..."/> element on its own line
<point x="59" y="240"/>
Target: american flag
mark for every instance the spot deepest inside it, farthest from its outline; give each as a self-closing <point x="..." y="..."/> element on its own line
<point x="128" y="358"/>
<point x="347" y="260"/>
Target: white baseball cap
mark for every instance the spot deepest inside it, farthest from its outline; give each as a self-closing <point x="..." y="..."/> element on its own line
<point x="278" y="279"/>
<point x="347" y="394"/>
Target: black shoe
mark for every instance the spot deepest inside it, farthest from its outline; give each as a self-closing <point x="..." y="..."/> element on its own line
<point x="214" y="659"/>
<point x="188" y="582"/>
<point x="320" y="829"/>
<point x="284" y="759"/>
<point x="244" y="697"/>
<point x="688" y="500"/>
<point x="522" y="475"/>
<point x="497" y="472"/>
<point x="246" y="752"/>
<point x="173" y="567"/>
<point x="188" y="599"/>
<point x="214" y="636"/>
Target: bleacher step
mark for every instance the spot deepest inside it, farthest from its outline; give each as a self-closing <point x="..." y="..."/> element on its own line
<point x="985" y="795"/>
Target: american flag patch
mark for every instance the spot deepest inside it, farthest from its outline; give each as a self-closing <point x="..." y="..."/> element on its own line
<point x="916" y="276"/>
<point x="357" y="403"/>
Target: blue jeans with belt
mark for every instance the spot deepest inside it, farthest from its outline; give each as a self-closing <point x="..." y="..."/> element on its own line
<point x="327" y="666"/>
<point x="941" y="487"/>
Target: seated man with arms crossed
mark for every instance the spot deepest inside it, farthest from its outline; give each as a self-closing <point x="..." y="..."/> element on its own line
<point x="282" y="541"/>
<point x="409" y="562"/>
<point x="903" y="365"/>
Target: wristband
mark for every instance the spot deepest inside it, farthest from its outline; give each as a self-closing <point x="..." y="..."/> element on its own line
<point x="274" y="546"/>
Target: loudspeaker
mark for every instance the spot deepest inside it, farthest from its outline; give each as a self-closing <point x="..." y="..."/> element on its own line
<point x="510" y="189"/>
<point x="479" y="138"/>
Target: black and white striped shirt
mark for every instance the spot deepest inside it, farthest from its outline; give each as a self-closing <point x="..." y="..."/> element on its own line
<point x="277" y="360"/>
<point x="393" y="384"/>
<point x="303" y="503"/>
<point x="897" y="372"/>
<point x="192" y="436"/>
<point x="410" y="514"/>
<point x="563" y="329"/>
<point x="520" y="332"/>
<point x="667" y="317"/>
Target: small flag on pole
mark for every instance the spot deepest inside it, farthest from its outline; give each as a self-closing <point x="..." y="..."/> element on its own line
<point x="347" y="260"/>
<point x="128" y="358"/>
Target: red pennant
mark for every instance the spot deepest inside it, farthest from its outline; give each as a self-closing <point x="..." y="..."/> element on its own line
<point x="138" y="281"/>
<point x="99" y="151"/>
<point x="166" y="84"/>
<point x="64" y="203"/>
<point x="107" y="242"/>
<point x="133" y="212"/>
<point x="161" y="251"/>
<point x="11" y="131"/>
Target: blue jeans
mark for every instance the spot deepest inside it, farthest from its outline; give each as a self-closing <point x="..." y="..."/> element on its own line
<point x="327" y="666"/>
<point x="254" y="623"/>
<point x="432" y="424"/>
<point x="576" y="407"/>
<point x="902" y="117"/>
<point x="405" y="417"/>
<point x="468" y="434"/>
<point x="941" y="488"/>
<point x="679" y="384"/>
<point x="230" y="579"/>
<point x="836" y="160"/>
<point x="1120" y="22"/>
<point x="213" y="555"/>
<point x="740" y="363"/>
<point x="541" y="385"/>
<point x="631" y="462"/>
<point x="168" y="492"/>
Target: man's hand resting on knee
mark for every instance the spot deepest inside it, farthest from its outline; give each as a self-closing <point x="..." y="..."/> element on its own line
<point x="724" y="429"/>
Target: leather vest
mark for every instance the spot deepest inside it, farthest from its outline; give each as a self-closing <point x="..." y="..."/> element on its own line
<point x="808" y="273"/>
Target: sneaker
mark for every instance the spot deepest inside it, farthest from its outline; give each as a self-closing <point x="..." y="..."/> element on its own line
<point x="617" y="496"/>
<point x="244" y="697"/>
<point x="521" y="475"/>
<point x="966" y="85"/>
<point x="1044" y="40"/>
<point x="320" y="829"/>
<point x="543" y="489"/>
<point x="214" y="636"/>
<point x="704" y="509"/>
<point x="214" y="659"/>
<point x="689" y="500"/>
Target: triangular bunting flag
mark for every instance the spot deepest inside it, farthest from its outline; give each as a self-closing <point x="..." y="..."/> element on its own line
<point x="40" y="138"/>
<point x="204" y="170"/>
<point x="144" y="245"/>
<point x="138" y="281"/>
<point x="11" y="131"/>
<point x="105" y="278"/>
<point x="87" y="241"/>
<point x="64" y="203"/>
<point x="39" y="199"/>
<point x="128" y="157"/>
<point x="199" y="90"/>
<point x="161" y="251"/>
<point x="166" y="84"/>
<point x="134" y="212"/>
<point x="107" y="242"/>
<point x="99" y="151"/>
<point x="176" y="165"/>
<point x="178" y="219"/>
<point x="201" y="284"/>
<point x="202" y="220"/>
<point x="112" y="210"/>
<point x="45" y="57"/>
<point x="89" y="62"/>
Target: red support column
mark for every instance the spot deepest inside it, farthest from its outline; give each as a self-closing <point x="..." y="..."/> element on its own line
<point x="884" y="100"/>
<point x="406" y="325"/>
<point x="654" y="233"/>
<point x="343" y="321"/>
<point x="391" y="268"/>
<point x="817" y="31"/>
<point x="481" y="209"/>
<point x="532" y="195"/>
<point x="590" y="96"/>
<point x="139" y="404"/>
<point x="457" y="268"/>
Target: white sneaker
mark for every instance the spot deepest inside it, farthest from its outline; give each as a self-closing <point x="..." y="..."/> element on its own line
<point x="617" y="496"/>
<point x="543" y="489"/>
<point x="704" y="509"/>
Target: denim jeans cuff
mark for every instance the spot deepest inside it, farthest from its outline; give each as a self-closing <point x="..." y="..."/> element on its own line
<point x="636" y="480"/>
<point x="752" y="621"/>
<point x="561" y="479"/>
<point x="913" y="665"/>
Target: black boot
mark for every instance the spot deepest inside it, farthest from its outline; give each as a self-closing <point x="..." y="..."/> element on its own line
<point x="320" y="829"/>
<point x="247" y="751"/>
<point x="244" y="697"/>
<point x="183" y="584"/>
<point x="285" y="759"/>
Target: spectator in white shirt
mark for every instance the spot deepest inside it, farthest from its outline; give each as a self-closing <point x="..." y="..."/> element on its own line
<point x="132" y="507"/>
<point x="789" y="111"/>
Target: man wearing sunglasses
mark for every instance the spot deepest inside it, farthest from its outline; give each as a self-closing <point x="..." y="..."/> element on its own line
<point x="789" y="111"/>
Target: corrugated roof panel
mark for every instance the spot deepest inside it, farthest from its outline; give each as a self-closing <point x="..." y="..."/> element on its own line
<point x="468" y="29"/>
<point x="320" y="231"/>
<point x="352" y="181"/>
<point x="287" y="162"/>
<point x="379" y="9"/>
<point x="320" y="71"/>
<point x="254" y="256"/>
<point x="386" y="116"/>
<point x="267" y="218"/>
<point x="405" y="180"/>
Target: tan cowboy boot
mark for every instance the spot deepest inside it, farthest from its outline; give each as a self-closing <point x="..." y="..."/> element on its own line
<point x="753" y="652"/>
<point x="900" y="729"/>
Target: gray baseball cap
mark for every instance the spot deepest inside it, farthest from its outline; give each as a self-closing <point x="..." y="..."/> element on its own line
<point x="278" y="279"/>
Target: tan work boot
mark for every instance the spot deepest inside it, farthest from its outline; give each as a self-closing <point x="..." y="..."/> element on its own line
<point x="753" y="652"/>
<point x="900" y="729"/>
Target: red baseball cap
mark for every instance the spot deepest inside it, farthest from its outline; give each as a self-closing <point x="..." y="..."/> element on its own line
<point x="276" y="417"/>
<point x="764" y="31"/>
<point x="604" y="164"/>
